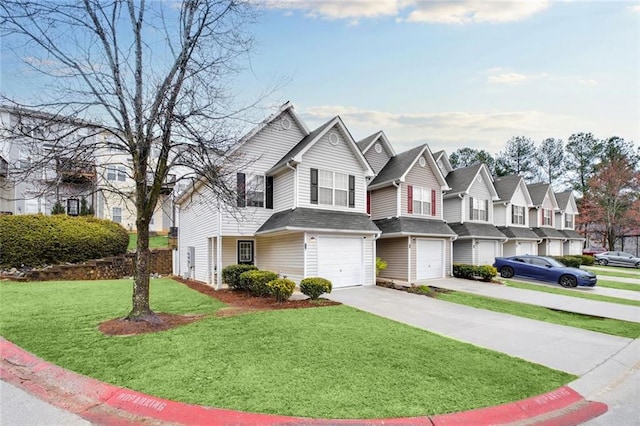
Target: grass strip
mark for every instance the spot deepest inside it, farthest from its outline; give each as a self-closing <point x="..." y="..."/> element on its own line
<point x="586" y="322"/>
<point x="618" y="285"/>
<point x="329" y="362"/>
<point x="611" y="272"/>
<point x="572" y="293"/>
<point x="156" y="241"/>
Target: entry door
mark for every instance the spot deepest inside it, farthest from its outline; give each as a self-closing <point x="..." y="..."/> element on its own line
<point x="245" y="252"/>
<point x="428" y="259"/>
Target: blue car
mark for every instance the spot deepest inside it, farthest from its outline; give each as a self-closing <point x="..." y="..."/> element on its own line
<point x="544" y="268"/>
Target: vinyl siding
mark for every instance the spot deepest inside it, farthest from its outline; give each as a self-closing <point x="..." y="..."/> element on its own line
<point x="282" y="254"/>
<point x="369" y="262"/>
<point x="339" y="158"/>
<point x="453" y="210"/>
<point x="481" y="191"/>
<point x="394" y="251"/>
<point x="425" y="178"/>
<point x="463" y="252"/>
<point x="500" y="214"/>
<point x="383" y="203"/>
<point x="519" y="199"/>
<point x="377" y="161"/>
<point x="283" y="191"/>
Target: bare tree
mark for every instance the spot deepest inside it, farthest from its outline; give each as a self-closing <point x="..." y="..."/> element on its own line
<point x="550" y="158"/>
<point x="152" y="76"/>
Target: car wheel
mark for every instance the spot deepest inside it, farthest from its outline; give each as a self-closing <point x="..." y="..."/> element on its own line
<point x="638" y="265"/>
<point x="568" y="281"/>
<point x="506" y="272"/>
<point x="603" y="262"/>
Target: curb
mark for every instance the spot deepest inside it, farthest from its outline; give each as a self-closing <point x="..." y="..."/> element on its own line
<point x="102" y="403"/>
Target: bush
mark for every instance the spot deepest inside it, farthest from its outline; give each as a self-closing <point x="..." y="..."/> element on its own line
<point x="381" y="265"/>
<point x="422" y="289"/>
<point x="256" y="282"/>
<point x="471" y="272"/>
<point x="281" y="288"/>
<point x="314" y="287"/>
<point x="572" y="261"/>
<point x="585" y="260"/>
<point x="231" y="275"/>
<point x="36" y="240"/>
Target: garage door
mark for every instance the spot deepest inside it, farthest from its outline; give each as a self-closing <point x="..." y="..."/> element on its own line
<point x="340" y="260"/>
<point x="486" y="252"/>
<point x="525" y="247"/>
<point x="555" y="248"/>
<point x="429" y="259"/>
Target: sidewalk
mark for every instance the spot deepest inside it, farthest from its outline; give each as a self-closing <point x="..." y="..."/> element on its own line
<point x="547" y="300"/>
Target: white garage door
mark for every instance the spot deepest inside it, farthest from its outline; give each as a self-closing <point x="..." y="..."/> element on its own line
<point x="525" y="247"/>
<point x="486" y="252"/>
<point x="555" y="248"/>
<point x="340" y="260"/>
<point x="429" y="259"/>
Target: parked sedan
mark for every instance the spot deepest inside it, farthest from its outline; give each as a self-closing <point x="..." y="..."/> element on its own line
<point x="617" y="258"/>
<point x="591" y="251"/>
<point x="544" y="268"/>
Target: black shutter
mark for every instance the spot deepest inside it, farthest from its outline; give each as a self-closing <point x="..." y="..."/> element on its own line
<point x="240" y="187"/>
<point x="314" y="186"/>
<point x="486" y="210"/>
<point x="470" y="208"/>
<point x="513" y="214"/>
<point x="269" y="197"/>
<point x="352" y="191"/>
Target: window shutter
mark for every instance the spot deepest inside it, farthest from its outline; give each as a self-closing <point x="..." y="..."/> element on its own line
<point x="541" y="217"/>
<point x="513" y="214"/>
<point x="240" y="188"/>
<point x="352" y="191"/>
<point x="486" y="210"/>
<point x="368" y="202"/>
<point x="433" y="202"/>
<point x="470" y="208"/>
<point x="409" y="199"/>
<point x="269" y="193"/>
<point x="314" y="186"/>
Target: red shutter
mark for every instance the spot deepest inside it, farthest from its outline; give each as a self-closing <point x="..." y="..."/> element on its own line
<point x="368" y="202"/>
<point x="409" y="199"/>
<point x="433" y="202"/>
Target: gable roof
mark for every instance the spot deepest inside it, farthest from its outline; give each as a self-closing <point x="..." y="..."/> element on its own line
<point x="460" y="180"/>
<point x="366" y="143"/>
<point x="442" y="156"/>
<point x="538" y="191"/>
<point x="399" y="166"/>
<point x="564" y="198"/>
<point x="305" y="219"/>
<point x="506" y="187"/>
<point x="296" y="153"/>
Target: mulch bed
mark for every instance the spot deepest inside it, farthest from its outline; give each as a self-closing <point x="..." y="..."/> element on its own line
<point x="238" y="302"/>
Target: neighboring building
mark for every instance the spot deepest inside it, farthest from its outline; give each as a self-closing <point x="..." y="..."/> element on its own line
<point x="97" y="176"/>
<point x="405" y="202"/>
<point x="468" y="209"/>
<point x="566" y="223"/>
<point x="511" y="216"/>
<point x="300" y="210"/>
<point x="542" y="219"/>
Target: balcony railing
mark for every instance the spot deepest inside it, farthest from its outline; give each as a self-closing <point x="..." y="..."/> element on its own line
<point x="167" y="185"/>
<point x="70" y="170"/>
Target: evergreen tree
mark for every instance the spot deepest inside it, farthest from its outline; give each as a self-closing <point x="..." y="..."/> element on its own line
<point x="583" y="152"/>
<point x="550" y="160"/>
<point x="518" y="158"/>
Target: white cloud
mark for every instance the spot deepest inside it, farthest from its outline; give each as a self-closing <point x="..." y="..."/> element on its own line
<point x="588" y="82"/>
<point x="446" y="130"/>
<point x="635" y="8"/>
<point x="439" y="11"/>
<point x="503" y="76"/>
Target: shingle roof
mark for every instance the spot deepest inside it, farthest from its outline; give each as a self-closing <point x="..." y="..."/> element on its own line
<point x="476" y="230"/>
<point x="460" y="180"/>
<point x="563" y="198"/>
<point x="414" y="226"/>
<point x="551" y="233"/>
<point x="572" y="235"/>
<point x="366" y="141"/>
<point x="302" y="144"/>
<point x="397" y="166"/>
<point x="515" y="232"/>
<point x="538" y="191"/>
<point x="506" y="186"/>
<point x="320" y="219"/>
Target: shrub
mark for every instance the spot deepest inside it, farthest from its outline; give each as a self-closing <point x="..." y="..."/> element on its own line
<point x="572" y="261"/>
<point x="471" y="272"/>
<point x="586" y="260"/>
<point x="422" y="289"/>
<point x="314" y="287"/>
<point x="57" y="208"/>
<point x="281" y="288"/>
<point x="381" y="265"/>
<point x="231" y="275"/>
<point x="256" y="282"/>
<point x="36" y="240"/>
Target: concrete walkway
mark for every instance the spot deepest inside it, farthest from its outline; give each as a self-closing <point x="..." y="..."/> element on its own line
<point x="539" y="298"/>
<point x="563" y="348"/>
<point x="602" y="291"/>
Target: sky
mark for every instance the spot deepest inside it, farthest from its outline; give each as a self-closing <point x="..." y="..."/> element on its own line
<point x="453" y="74"/>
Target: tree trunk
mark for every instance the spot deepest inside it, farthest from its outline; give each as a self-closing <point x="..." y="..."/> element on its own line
<point x="141" y="310"/>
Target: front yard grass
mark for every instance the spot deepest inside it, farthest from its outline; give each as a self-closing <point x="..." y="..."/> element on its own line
<point x="155" y="241"/>
<point x="618" y="285"/>
<point x="602" y="325"/>
<point x="571" y="292"/>
<point x="612" y="271"/>
<point x="328" y="362"/>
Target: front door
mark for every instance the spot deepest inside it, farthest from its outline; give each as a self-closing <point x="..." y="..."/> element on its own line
<point x="245" y="252"/>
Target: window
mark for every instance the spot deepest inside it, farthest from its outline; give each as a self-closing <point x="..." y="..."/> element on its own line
<point x="122" y="174"/>
<point x="73" y="207"/>
<point x="332" y="188"/>
<point x="479" y="209"/>
<point x="116" y="214"/>
<point x="547" y="217"/>
<point x="255" y="191"/>
<point x="421" y="201"/>
<point x="245" y="252"/>
<point x="251" y="190"/>
<point x="111" y="172"/>
<point x="568" y="221"/>
<point x="517" y="216"/>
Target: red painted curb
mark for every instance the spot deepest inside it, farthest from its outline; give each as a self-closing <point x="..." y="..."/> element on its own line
<point x="107" y="404"/>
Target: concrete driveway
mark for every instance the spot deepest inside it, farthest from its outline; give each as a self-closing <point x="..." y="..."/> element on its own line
<point x="563" y="348"/>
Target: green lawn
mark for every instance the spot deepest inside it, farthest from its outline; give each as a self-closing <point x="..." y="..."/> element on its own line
<point x="571" y="292"/>
<point x="602" y="325"/>
<point x="612" y="272"/>
<point x="157" y="241"/>
<point x="330" y="362"/>
<point x="618" y="285"/>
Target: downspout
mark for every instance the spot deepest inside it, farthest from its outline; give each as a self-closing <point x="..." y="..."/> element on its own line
<point x="398" y="198"/>
<point x="218" y="284"/>
<point x="375" y="255"/>
<point x="295" y="183"/>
